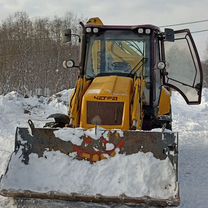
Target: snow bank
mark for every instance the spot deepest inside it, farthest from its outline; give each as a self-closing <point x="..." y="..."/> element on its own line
<point x="15" y="110"/>
<point x="190" y="117"/>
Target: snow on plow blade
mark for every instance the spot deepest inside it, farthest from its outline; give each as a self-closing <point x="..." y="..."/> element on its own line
<point x="130" y="167"/>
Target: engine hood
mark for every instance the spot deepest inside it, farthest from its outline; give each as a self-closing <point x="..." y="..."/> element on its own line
<point x="111" y="86"/>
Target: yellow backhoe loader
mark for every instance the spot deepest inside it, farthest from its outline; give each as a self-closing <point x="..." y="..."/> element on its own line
<point x="124" y="93"/>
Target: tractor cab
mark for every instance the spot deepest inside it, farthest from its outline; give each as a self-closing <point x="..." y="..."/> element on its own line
<point x="159" y="60"/>
<point x="117" y="52"/>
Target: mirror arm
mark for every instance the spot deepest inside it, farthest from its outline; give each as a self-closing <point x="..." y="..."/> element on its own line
<point x="82" y="25"/>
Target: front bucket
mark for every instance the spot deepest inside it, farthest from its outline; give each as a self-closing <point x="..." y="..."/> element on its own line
<point x="130" y="167"/>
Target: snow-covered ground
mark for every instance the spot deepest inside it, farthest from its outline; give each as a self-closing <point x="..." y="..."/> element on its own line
<point x="15" y="110"/>
<point x="190" y="121"/>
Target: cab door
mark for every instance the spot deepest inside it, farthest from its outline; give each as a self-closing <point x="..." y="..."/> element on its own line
<point x="183" y="67"/>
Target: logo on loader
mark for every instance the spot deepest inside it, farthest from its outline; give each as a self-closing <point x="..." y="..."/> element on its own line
<point x="105" y="97"/>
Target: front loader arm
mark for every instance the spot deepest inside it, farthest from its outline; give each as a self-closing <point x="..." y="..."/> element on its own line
<point x="137" y="117"/>
<point x="76" y="101"/>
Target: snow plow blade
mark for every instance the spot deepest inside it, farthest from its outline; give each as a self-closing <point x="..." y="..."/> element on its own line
<point x="41" y="149"/>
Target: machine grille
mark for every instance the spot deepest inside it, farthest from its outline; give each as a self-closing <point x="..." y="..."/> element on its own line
<point x="105" y="113"/>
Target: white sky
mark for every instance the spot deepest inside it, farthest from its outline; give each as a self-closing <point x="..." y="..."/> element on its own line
<point x="158" y="12"/>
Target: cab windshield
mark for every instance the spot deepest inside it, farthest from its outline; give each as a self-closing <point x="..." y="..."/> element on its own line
<point x="117" y="52"/>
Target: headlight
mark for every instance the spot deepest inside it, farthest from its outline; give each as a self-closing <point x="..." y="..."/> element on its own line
<point x="95" y="30"/>
<point x="140" y="30"/>
<point x="147" y="31"/>
<point x="88" y="29"/>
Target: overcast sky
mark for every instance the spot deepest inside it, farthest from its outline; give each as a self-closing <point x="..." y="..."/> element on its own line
<point x="158" y="12"/>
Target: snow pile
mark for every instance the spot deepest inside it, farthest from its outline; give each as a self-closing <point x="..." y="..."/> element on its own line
<point x="97" y="133"/>
<point x="76" y="134"/>
<point x="134" y="175"/>
<point x="15" y="110"/>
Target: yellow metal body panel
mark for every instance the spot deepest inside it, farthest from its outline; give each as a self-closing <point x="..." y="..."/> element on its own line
<point x="94" y="21"/>
<point x="110" y="89"/>
<point x="76" y="100"/>
<point x="137" y="114"/>
<point x="165" y="102"/>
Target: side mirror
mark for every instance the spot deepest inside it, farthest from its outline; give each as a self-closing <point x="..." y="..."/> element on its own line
<point x="67" y="36"/>
<point x="68" y="64"/>
<point x="169" y="35"/>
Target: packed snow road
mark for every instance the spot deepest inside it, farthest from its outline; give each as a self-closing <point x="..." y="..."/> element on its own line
<point x="192" y="124"/>
<point x="190" y="121"/>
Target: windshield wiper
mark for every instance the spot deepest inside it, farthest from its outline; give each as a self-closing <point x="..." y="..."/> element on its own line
<point x="138" y="66"/>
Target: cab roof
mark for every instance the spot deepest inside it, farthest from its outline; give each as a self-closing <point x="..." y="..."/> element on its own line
<point x="124" y="27"/>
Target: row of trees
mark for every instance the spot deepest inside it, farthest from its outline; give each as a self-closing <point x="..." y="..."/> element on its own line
<point x="32" y="53"/>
